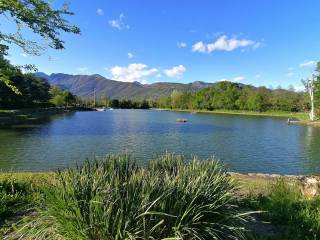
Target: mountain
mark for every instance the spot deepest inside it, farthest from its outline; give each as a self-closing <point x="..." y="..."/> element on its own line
<point x="84" y="85"/>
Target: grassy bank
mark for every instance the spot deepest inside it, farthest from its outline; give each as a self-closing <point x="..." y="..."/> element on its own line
<point x="171" y="198"/>
<point x="297" y="115"/>
<point x="114" y="199"/>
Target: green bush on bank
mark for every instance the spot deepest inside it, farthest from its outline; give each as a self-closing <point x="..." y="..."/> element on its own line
<point x="115" y="199"/>
<point x="285" y="207"/>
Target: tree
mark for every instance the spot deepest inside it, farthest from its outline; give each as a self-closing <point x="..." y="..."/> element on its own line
<point x="144" y="104"/>
<point x="42" y="20"/>
<point x="33" y="91"/>
<point x="61" y="98"/>
<point x="114" y="103"/>
<point x="309" y="85"/>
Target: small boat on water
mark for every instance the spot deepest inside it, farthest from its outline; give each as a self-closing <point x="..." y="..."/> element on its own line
<point x="103" y="109"/>
<point x="181" y="120"/>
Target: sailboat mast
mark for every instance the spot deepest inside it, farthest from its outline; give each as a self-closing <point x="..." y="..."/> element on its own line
<point x="94" y="97"/>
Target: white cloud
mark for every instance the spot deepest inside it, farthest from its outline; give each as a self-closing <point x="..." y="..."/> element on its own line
<point x="256" y="45"/>
<point x="175" y="72"/>
<point x="290" y="74"/>
<point x="238" y="79"/>
<point x="299" y="88"/>
<point x="181" y="44"/>
<point x="224" y="43"/>
<point x="130" y="55"/>
<point x="235" y="79"/>
<point x="119" y="23"/>
<point x="82" y="69"/>
<point x="24" y="55"/>
<point x="100" y="12"/>
<point x="222" y="80"/>
<point x="308" y="64"/>
<point x="199" y="47"/>
<point x="135" y="72"/>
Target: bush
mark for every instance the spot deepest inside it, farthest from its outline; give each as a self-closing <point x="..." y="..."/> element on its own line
<point x="115" y="199"/>
<point x="287" y="208"/>
<point x="14" y="197"/>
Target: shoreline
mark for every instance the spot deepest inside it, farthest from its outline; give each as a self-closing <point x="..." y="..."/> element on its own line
<point x="249" y="183"/>
<point x="302" y="117"/>
<point x="299" y="115"/>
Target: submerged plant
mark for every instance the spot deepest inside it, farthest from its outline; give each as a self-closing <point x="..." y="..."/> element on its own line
<point x="114" y="199"/>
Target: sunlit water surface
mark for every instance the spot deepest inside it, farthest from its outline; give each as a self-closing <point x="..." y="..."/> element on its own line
<point x="241" y="143"/>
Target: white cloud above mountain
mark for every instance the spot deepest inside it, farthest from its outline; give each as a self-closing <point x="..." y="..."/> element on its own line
<point x="135" y="72"/>
<point x="175" y="72"/>
<point x="224" y="43"/>
<point x="235" y="79"/>
<point x="82" y="69"/>
<point x="140" y="72"/>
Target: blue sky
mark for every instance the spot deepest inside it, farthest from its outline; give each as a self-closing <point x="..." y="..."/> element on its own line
<point x="259" y="42"/>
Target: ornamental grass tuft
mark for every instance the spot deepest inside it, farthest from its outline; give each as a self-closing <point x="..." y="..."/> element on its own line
<point x="113" y="198"/>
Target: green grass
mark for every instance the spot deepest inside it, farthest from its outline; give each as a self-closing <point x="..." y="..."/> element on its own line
<point x="170" y="198"/>
<point x="17" y="199"/>
<point x="285" y="207"/>
<point x="114" y="199"/>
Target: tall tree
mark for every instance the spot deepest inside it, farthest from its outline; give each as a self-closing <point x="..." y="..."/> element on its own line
<point x="311" y="84"/>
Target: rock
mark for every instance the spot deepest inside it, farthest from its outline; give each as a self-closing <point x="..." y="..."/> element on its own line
<point x="310" y="186"/>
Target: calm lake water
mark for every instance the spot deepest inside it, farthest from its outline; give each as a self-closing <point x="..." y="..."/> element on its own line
<point x="241" y="143"/>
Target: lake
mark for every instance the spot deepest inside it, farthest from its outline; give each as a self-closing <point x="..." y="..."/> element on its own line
<point x="241" y="143"/>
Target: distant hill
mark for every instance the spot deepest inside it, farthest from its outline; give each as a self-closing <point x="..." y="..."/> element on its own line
<point x="84" y="85"/>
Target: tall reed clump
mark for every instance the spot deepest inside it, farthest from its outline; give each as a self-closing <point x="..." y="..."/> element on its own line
<point x="114" y="199"/>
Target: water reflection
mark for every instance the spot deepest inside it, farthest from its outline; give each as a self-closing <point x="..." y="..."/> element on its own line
<point x="310" y="148"/>
<point x="246" y="144"/>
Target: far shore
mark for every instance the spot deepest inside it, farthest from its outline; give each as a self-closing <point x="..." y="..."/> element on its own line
<point x="26" y="116"/>
<point x="300" y="118"/>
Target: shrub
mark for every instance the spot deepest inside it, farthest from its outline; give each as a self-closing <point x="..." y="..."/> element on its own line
<point x="286" y="207"/>
<point x="14" y="198"/>
<point x="115" y="199"/>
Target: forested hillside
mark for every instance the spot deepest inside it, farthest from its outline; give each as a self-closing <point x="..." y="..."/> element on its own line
<point x="84" y="85"/>
<point x="234" y="96"/>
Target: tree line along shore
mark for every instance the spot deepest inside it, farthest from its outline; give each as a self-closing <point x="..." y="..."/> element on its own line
<point x="223" y="97"/>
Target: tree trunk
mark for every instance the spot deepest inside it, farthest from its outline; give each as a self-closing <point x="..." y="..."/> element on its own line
<point x="312" y="116"/>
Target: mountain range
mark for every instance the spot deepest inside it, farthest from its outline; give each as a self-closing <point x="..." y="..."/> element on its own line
<point x="85" y="85"/>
